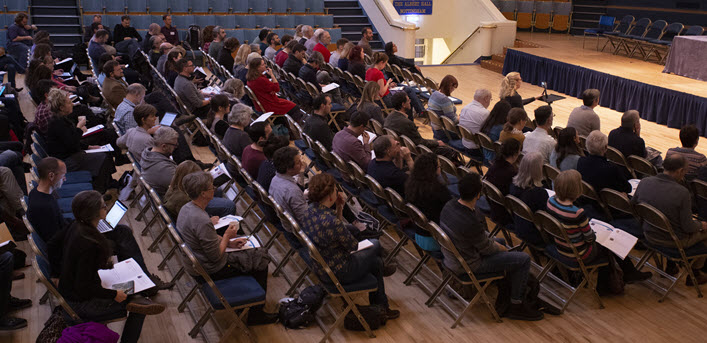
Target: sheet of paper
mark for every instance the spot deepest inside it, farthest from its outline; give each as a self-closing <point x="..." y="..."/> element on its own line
<point x="550" y="192"/>
<point x="225" y="221"/>
<point x="125" y="271"/>
<point x="65" y="60"/>
<point x="372" y="136"/>
<point x="103" y="148"/>
<point x="231" y="193"/>
<point x="618" y="241"/>
<point x="252" y="243"/>
<point x="263" y="117"/>
<point x="93" y="129"/>
<point x="9" y="95"/>
<point x="211" y="89"/>
<point x="364" y="244"/>
<point x="330" y="87"/>
<point x="399" y="88"/>
<point x="634" y="184"/>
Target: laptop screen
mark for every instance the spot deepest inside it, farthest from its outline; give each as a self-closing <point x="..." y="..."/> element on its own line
<point x="116" y="213"/>
<point x="168" y="119"/>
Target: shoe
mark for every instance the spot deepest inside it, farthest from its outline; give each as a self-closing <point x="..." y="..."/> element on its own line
<point x="159" y="284"/>
<point x="637" y="276"/>
<point x="700" y="276"/>
<point x="18" y="276"/>
<point x="262" y="318"/>
<point x="389" y="269"/>
<point x="146" y="309"/>
<point x="524" y="312"/>
<point x="12" y="323"/>
<point x="671" y="268"/>
<point x="391" y="314"/>
<point x="17" y="304"/>
<point x="181" y="120"/>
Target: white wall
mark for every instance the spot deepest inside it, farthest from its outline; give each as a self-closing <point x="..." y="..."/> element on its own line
<point x="391" y="26"/>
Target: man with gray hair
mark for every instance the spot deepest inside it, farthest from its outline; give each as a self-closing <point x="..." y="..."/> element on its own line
<point x="124" y="112"/>
<point x="388" y="168"/>
<point x="596" y="170"/>
<point x="627" y="137"/>
<point x="324" y="39"/>
<point x="217" y="43"/>
<point x="164" y="51"/>
<point x="473" y="116"/>
<point x="583" y="118"/>
<point x="307" y="33"/>
<point x="157" y="167"/>
<point x="313" y="41"/>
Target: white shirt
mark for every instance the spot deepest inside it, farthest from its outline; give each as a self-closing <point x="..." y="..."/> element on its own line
<point x="472" y="118"/>
<point x="538" y="140"/>
<point x="270" y="53"/>
<point x="334" y="58"/>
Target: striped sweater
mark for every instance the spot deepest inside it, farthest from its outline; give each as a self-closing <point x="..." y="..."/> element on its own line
<point x="577" y="226"/>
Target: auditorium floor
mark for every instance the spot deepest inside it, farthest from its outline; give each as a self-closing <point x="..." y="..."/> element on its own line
<point x="635" y="316"/>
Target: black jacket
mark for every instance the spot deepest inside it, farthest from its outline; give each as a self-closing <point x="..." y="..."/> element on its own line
<point x="225" y="59"/>
<point x="292" y="65"/>
<point x="63" y="138"/>
<point x="309" y="74"/>
<point x="120" y="32"/>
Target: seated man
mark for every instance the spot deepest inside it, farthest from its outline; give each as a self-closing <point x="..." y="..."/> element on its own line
<point x="187" y="91"/>
<point x="316" y="125"/>
<point x="157" y="168"/>
<point x="138" y="138"/>
<point x="627" y="138"/>
<point x="114" y="86"/>
<point x="12" y="160"/>
<point x="583" y="118"/>
<point x="596" y="170"/>
<point x="473" y="116"/>
<point x="347" y="145"/>
<point x="236" y="139"/>
<point x="325" y="228"/>
<point x="390" y="50"/>
<point x="480" y="251"/>
<point x="665" y="193"/>
<point x="324" y="39"/>
<point x="126" y="37"/>
<point x="539" y="139"/>
<point x="399" y="122"/>
<point x="284" y="187"/>
<point x="308" y="72"/>
<point x="124" y="111"/>
<point x="689" y="137"/>
<point x="8" y="303"/>
<point x="387" y="168"/>
<point x="96" y="49"/>
<point x="294" y="61"/>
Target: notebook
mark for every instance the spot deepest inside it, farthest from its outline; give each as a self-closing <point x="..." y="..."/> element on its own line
<point x="168" y="119"/>
<point x="113" y="217"/>
<point x="250" y="244"/>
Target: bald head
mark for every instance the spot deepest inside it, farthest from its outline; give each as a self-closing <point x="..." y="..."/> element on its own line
<point x="675" y="165"/>
<point x="483" y="96"/>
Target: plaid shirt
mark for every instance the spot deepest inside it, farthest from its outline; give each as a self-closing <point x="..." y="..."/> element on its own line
<point x="42" y="117"/>
<point x="331" y="237"/>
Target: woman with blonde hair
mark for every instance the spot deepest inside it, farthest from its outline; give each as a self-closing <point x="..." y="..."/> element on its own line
<point x="343" y="62"/>
<point x="241" y="56"/>
<point x="528" y="186"/>
<point x="509" y="90"/>
<point x="233" y="89"/>
<point x="368" y="100"/>
<point x="176" y="196"/>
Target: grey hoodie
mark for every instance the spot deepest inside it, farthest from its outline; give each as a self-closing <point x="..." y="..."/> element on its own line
<point x="158" y="170"/>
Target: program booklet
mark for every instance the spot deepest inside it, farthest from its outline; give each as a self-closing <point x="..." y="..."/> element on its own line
<point x="225" y="221"/>
<point x="618" y="241"/>
<point x="123" y="272"/>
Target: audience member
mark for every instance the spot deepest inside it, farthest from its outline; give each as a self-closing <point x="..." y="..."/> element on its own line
<point x="509" y="90"/>
<point x="176" y="195"/>
<point x="225" y="55"/>
<point x="89" y="29"/>
<point x="8" y="303"/>
<point x="43" y="114"/>
<point x="157" y="167"/>
<point x="273" y="41"/>
<point x="367" y="104"/>
<point x="338" y="247"/>
<point x="267" y="169"/>
<point x="216" y="119"/>
<point x="285" y="189"/>
<point x="689" y="137"/>
<point x="356" y="64"/>
<point x="402" y="125"/>
<point x="152" y="31"/>
<point x="265" y="90"/>
<point x="567" y="151"/>
<point x="390" y="50"/>
<point x="313" y="41"/>
<point x="375" y="73"/>
<point x="324" y="39"/>
<point x="440" y="104"/>
<point x="165" y="48"/>
<point x="216" y="44"/>
<point x="596" y="170"/>
<point x="294" y="61"/>
<point x="666" y="193"/>
<point x="481" y="251"/>
<point x="240" y="63"/>
<point x="253" y="154"/>
<point x="234" y="90"/>
<point x="126" y="37"/>
<point x="298" y="32"/>
<point x="42" y="207"/>
<point x="114" y="86"/>
<point x="528" y="187"/>
<point x="186" y="89"/>
<point x="334" y="58"/>
<point x="19" y="38"/>
<point x="138" y="138"/>
<point x="307" y="33"/>
<point x="627" y="138"/>
<point x="501" y="174"/>
<point x="473" y="116"/>
<point x="262" y="36"/>
<point x="388" y="168"/>
<point x="134" y="95"/>
<point x="583" y="118"/>
<point x="316" y="125"/>
<point x="493" y="125"/>
<point x="540" y="139"/>
<point x="170" y="32"/>
<point x="366" y="38"/>
<point x="197" y="230"/>
<point x="236" y="139"/>
<point x="343" y="63"/>
<point x="517" y="118"/>
<point x="347" y="145"/>
<point x="284" y="53"/>
<point x="308" y="72"/>
<point x="96" y="47"/>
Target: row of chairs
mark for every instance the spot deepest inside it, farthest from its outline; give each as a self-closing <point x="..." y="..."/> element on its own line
<point x="248" y="21"/>
<point x="202" y="7"/>
<point x="14" y="6"/>
<point x="542" y="15"/>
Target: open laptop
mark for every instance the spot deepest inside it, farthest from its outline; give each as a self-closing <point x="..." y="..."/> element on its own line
<point x="113" y="217"/>
<point x="168" y="119"/>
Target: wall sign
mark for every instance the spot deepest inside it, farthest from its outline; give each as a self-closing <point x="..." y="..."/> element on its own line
<point x="413" y="7"/>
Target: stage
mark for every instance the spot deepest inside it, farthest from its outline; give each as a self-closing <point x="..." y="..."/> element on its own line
<point x="625" y="83"/>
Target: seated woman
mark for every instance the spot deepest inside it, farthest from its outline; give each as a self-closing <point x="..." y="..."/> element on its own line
<point x="528" y="187"/>
<point x="170" y="67"/>
<point x="356" y="64"/>
<point x="517" y="118"/>
<point x="176" y="196"/>
<point x="368" y="104"/>
<point x="501" y="174"/>
<point x="425" y="190"/>
<point x="266" y="90"/>
<point x="240" y="62"/>
<point x="440" y="104"/>
<point x="253" y="155"/>
<point x="494" y="124"/>
<point x="217" y="119"/>
<point x="509" y="90"/>
<point x="325" y="228"/>
<point x="267" y="169"/>
<point x="568" y="187"/>
<point x="375" y="73"/>
<point x="197" y="230"/>
<point x="234" y="90"/>
<point x="64" y="142"/>
<point x="138" y="138"/>
<point x="86" y="250"/>
<point x="567" y="151"/>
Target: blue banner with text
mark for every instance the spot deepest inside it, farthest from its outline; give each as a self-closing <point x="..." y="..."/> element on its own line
<point x="413" y="7"/>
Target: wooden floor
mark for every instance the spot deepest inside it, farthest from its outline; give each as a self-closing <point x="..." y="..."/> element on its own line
<point x="635" y="316"/>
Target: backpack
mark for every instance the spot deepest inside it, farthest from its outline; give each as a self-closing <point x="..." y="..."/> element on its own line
<point x="374" y="315"/>
<point x="531" y="299"/>
<point x="300" y="312"/>
<point x="194" y="36"/>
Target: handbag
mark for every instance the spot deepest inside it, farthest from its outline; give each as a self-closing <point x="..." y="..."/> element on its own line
<point x="373" y="227"/>
<point x="53" y="327"/>
<point x="374" y="315"/>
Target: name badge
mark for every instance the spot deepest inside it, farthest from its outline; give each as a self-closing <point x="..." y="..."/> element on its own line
<point x="172" y="33"/>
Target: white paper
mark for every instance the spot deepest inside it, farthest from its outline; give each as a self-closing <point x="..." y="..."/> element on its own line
<point x="64" y="60"/>
<point x="330" y="87"/>
<point x="618" y="241"/>
<point x="231" y="193"/>
<point x="423" y="89"/>
<point x="550" y="192"/>
<point x="225" y="221"/>
<point x="199" y="69"/>
<point x="252" y="243"/>
<point x="399" y="88"/>
<point x="219" y="170"/>
<point x="372" y="136"/>
<point x="104" y="148"/>
<point x="634" y="184"/>
<point x="211" y="89"/>
<point x="9" y="95"/>
<point x="263" y="117"/>
<point x="168" y="119"/>
<point x="123" y="272"/>
<point x="364" y="244"/>
<point x="93" y="129"/>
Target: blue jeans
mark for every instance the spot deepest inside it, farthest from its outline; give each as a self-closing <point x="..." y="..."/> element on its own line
<point x="362" y="263"/>
<point x="6" y="266"/>
<point x="515" y="264"/>
<point x="220" y="207"/>
<point x="101" y="309"/>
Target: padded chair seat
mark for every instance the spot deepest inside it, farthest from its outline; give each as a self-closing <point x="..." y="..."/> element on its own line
<point x="674" y="253"/>
<point x="367" y="282"/>
<point x="386" y="212"/>
<point x="68" y="216"/>
<point x="594" y="31"/>
<point x="457" y="144"/>
<point x="337" y="107"/>
<point x="300" y="144"/>
<point x="551" y="251"/>
<point x="238" y="291"/>
<point x="69" y="191"/>
<point x="454" y="189"/>
<point x="81" y="176"/>
<point x="65" y="204"/>
<point x="483" y="205"/>
<point x="425" y="95"/>
<point x="367" y="196"/>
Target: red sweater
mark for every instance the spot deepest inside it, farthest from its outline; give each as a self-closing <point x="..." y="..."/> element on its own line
<point x="265" y="91"/>
<point x="321" y="48"/>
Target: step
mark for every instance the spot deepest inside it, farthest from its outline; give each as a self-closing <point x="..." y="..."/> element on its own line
<point x="47" y="19"/>
<point x="54" y="10"/>
<point x="59" y="28"/>
<point x="341" y="3"/>
<point x="345" y="11"/>
<point x="498" y="58"/>
<point x="492" y="66"/>
<point x="350" y="19"/>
